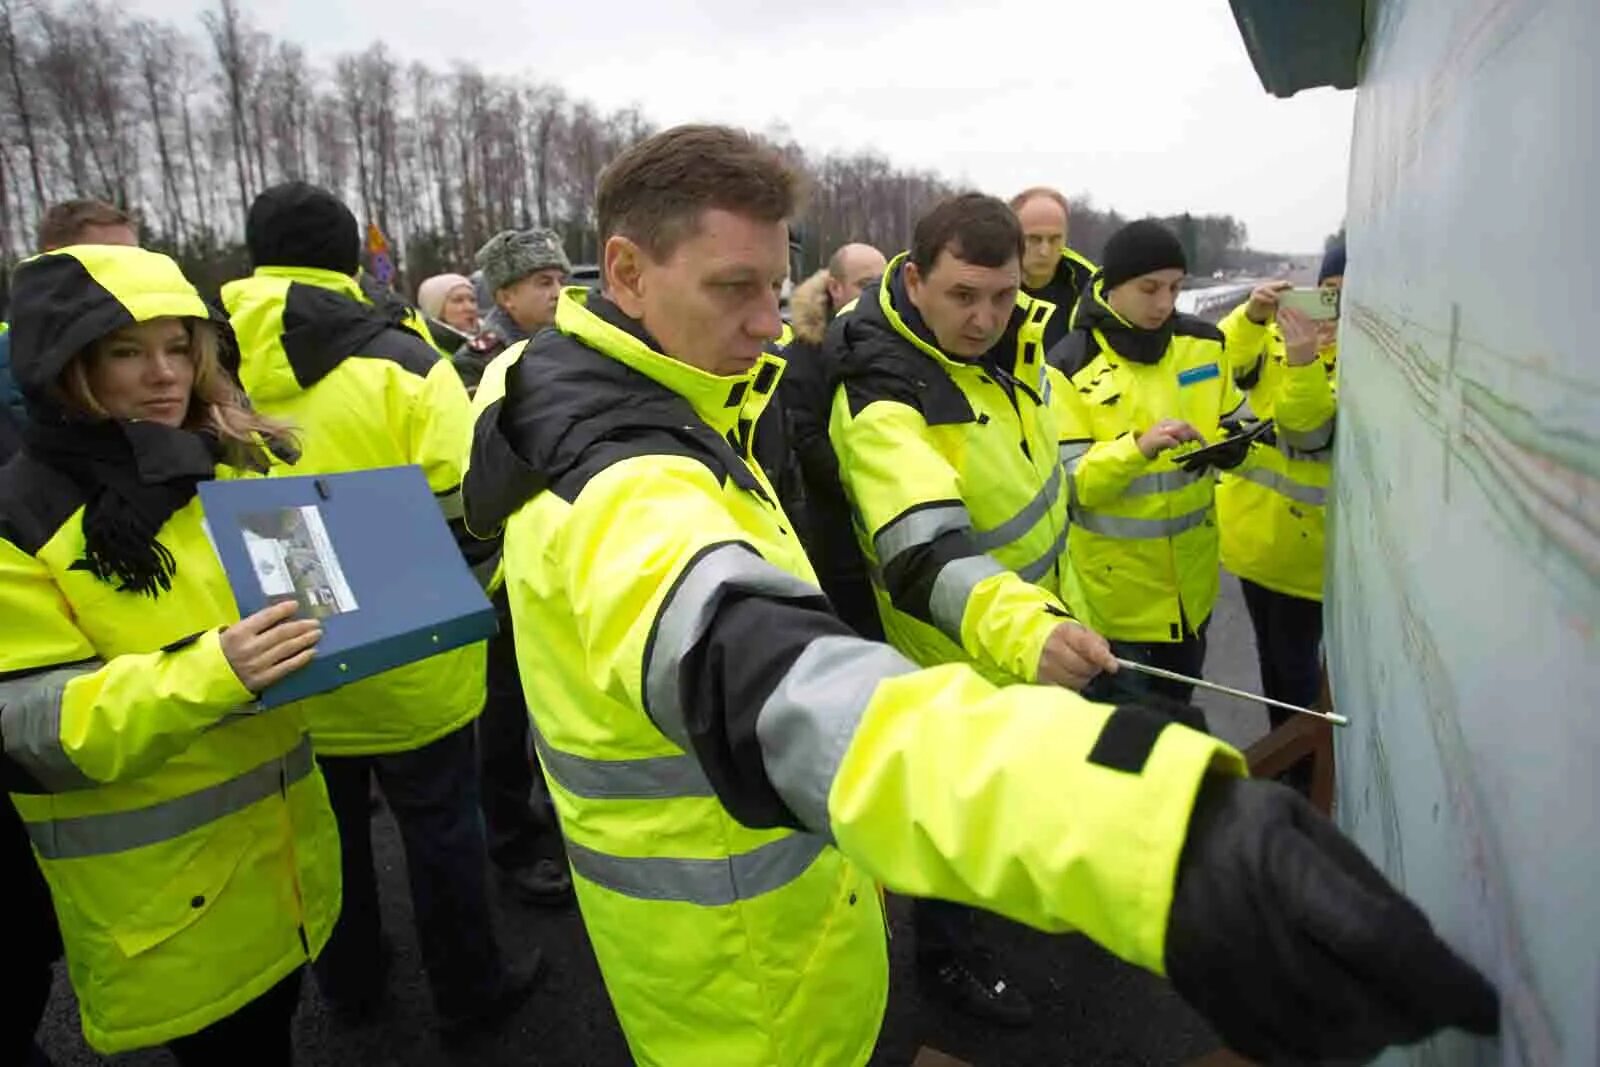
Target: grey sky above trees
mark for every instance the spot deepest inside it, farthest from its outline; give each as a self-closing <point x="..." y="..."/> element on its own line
<point x="444" y="123"/>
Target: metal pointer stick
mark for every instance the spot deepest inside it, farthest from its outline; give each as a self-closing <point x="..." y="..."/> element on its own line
<point x="1144" y="668"/>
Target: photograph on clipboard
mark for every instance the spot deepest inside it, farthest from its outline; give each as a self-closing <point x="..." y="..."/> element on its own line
<point x="293" y="559"/>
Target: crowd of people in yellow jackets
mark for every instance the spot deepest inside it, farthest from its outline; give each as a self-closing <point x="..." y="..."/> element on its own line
<point x="804" y="613"/>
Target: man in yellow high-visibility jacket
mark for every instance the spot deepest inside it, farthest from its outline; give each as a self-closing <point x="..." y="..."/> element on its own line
<point x="736" y="770"/>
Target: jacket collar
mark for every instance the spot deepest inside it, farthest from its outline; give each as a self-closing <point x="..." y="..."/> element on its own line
<point x="720" y="400"/>
<point x="891" y="304"/>
<point x="1131" y="342"/>
<point x="343" y="284"/>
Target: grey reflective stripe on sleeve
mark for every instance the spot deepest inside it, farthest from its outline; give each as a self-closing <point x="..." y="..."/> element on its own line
<point x="1072" y="453"/>
<point x="80" y="836"/>
<point x="1137" y="529"/>
<point x="953" y="588"/>
<point x="808" y="721"/>
<point x="919" y="527"/>
<point x="1041" y="566"/>
<point x="707" y="882"/>
<point x="1026" y="519"/>
<point x="687" y="613"/>
<point x="1286" y="486"/>
<point x="30" y="727"/>
<point x="1314" y="440"/>
<point x="1162" y="482"/>
<point x="649" y="778"/>
<point x="450" y="504"/>
<point x="484" y="572"/>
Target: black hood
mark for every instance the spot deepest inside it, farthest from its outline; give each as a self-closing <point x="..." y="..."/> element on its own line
<point x="65" y="301"/>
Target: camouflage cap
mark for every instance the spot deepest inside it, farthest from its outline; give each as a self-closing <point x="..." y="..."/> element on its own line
<point x="511" y="255"/>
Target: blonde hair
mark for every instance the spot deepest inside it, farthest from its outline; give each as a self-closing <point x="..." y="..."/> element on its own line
<point x="217" y="405"/>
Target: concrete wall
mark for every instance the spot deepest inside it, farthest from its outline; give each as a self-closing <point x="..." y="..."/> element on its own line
<point x="1464" y="607"/>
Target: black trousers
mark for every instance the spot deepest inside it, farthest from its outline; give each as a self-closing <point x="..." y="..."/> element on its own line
<point x="33" y="940"/>
<point x="943" y="930"/>
<point x="1127" y="687"/>
<point x="260" y="1033"/>
<point x="517" y="833"/>
<point x="1288" y="640"/>
<point x="433" y="793"/>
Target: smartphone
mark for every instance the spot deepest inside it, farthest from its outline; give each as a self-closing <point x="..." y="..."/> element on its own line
<point x="1318" y="305"/>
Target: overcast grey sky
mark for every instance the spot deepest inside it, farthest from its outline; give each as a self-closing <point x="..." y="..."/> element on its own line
<point x="1151" y="106"/>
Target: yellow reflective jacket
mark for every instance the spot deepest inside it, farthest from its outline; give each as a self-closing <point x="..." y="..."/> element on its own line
<point x="951" y="470"/>
<point x="367" y="394"/>
<point x="185" y="835"/>
<point x="733" y="767"/>
<point x="1143" y="555"/>
<point x="1272" y="513"/>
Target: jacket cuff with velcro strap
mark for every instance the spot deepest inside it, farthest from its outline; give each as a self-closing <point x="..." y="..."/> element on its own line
<point x="1105" y="470"/>
<point x="1245" y="341"/>
<point x="1306" y="409"/>
<point x="79" y="726"/>
<point x="934" y="571"/>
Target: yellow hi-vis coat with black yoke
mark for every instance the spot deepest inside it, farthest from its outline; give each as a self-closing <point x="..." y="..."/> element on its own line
<point x="185" y="835"/>
<point x="1143" y="556"/>
<point x="952" y="472"/>
<point x="1272" y="513"/>
<point x="733" y="767"/>
<point x="367" y="394"/>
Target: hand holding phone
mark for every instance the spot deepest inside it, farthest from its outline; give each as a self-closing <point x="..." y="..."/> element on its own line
<point x="1318" y="305"/>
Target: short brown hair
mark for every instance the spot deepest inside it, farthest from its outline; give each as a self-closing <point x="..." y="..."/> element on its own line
<point x="1033" y="192"/>
<point x="63" y="224"/>
<point x="654" y="193"/>
<point x="974" y="228"/>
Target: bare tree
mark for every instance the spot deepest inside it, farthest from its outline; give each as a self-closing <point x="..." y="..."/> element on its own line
<point x="20" y="103"/>
<point x="230" y="39"/>
<point x="157" y="51"/>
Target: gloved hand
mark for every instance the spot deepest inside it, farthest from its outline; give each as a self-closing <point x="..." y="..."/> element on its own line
<point x="1294" y="947"/>
<point x="1226" y="455"/>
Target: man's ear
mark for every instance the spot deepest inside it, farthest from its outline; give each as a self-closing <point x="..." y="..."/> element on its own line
<point x="913" y="278"/>
<point x="623" y="264"/>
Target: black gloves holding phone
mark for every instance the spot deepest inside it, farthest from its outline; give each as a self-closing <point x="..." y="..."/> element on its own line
<point x="1295" y="947"/>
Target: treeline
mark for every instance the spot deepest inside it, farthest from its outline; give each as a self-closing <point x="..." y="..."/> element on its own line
<point x="186" y="128"/>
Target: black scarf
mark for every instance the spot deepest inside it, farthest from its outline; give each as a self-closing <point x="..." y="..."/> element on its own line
<point x="136" y="476"/>
<point x="1132" y="343"/>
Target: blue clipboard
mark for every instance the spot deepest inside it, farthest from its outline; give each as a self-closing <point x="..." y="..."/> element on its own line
<point x="366" y="552"/>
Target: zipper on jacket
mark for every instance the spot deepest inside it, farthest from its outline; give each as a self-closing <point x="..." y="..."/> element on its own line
<point x="1009" y="385"/>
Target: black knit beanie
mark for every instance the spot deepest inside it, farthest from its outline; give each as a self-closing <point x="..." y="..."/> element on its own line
<point x="1332" y="264"/>
<point x="1140" y="248"/>
<point x="300" y="225"/>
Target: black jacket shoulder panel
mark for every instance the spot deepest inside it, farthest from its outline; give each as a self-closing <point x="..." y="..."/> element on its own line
<point x="572" y="412"/>
<point x="35" y="501"/>
<point x="875" y="363"/>
<point x="405" y="348"/>
<point x="1074" y="353"/>
<point x="322" y="329"/>
<point x="1185" y="325"/>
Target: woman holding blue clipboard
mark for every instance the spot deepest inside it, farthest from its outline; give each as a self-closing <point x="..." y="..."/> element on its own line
<point x="184" y="833"/>
<point x="1145" y="383"/>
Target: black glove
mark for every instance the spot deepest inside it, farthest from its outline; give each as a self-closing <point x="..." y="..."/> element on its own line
<point x="1224" y="455"/>
<point x="1295" y="948"/>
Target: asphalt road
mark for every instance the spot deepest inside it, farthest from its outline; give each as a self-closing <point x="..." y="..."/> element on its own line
<point x="1092" y="1009"/>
